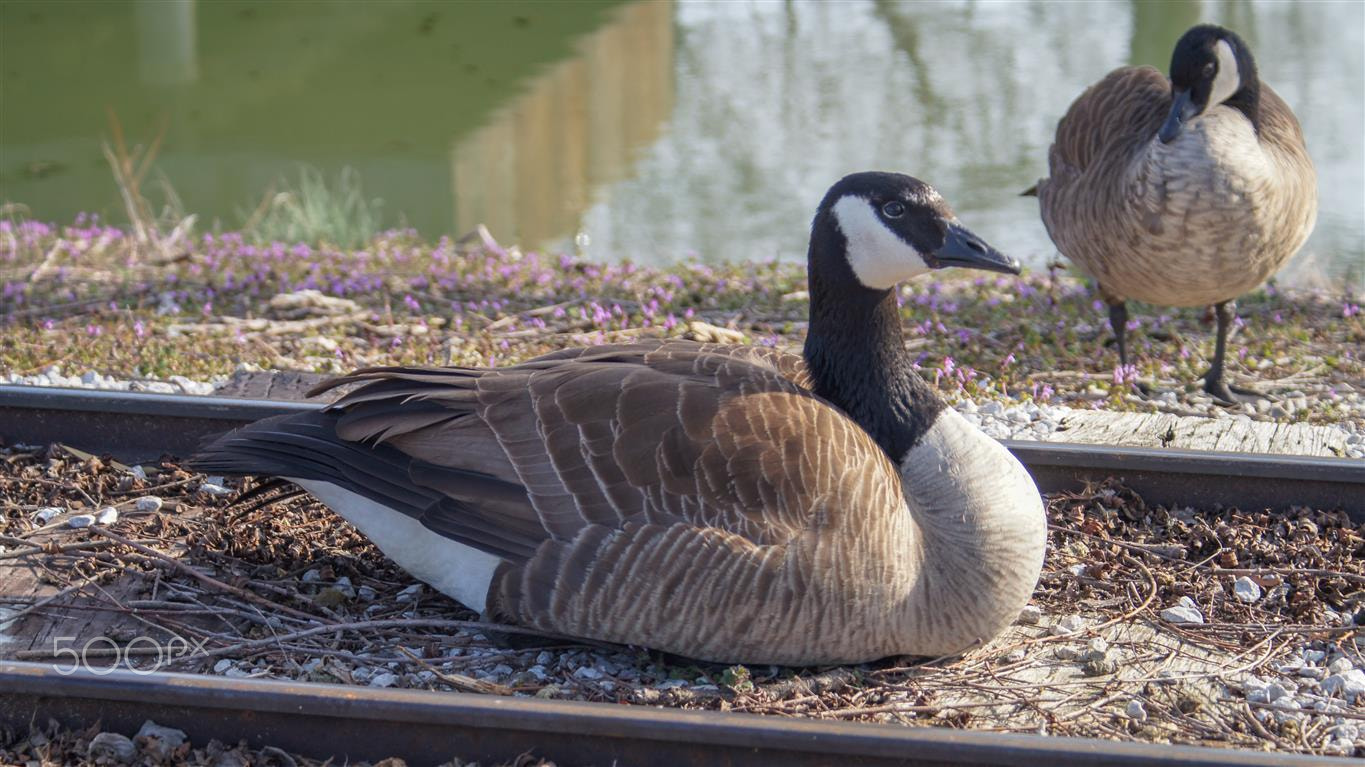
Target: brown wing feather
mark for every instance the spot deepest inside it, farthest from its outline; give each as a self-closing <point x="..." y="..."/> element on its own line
<point x="667" y="433"/>
<point x="1280" y="128"/>
<point x="790" y="366"/>
<point x="1113" y="118"/>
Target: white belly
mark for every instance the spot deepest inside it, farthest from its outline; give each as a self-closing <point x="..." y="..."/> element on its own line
<point x="456" y="570"/>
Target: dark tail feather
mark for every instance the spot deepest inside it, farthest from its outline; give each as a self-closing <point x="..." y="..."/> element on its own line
<point x="1030" y="192"/>
<point x="446" y="500"/>
<point x="305" y="446"/>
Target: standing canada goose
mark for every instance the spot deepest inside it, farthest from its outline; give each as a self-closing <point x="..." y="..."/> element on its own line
<point x="1182" y="193"/>
<point x="726" y="503"/>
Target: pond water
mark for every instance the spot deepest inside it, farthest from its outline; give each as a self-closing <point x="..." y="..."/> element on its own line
<point x="652" y="130"/>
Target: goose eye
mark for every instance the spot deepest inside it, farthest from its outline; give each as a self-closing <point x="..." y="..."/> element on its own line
<point x="893" y="209"/>
<point x="1209" y="69"/>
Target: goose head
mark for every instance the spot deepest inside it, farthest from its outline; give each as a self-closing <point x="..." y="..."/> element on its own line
<point x="1210" y="66"/>
<point x="878" y="229"/>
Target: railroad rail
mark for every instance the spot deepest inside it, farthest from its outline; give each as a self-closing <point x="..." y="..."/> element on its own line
<point x="139" y="426"/>
<point x="352" y="724"/>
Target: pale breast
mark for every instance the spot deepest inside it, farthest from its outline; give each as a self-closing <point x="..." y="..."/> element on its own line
<point x="1201" y="220"/>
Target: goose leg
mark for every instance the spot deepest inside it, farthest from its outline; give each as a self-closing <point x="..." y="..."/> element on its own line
<point x="1214" y="382"/>
<point x="1118" y="320"/>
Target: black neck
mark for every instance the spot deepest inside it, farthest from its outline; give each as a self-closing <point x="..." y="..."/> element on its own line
<point x="855" y="351"/>
<point x="1248" y="101"/>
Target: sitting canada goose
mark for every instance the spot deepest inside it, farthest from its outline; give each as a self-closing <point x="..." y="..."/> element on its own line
<point x="727" y="503"/>
<point x="1185" y="193"/>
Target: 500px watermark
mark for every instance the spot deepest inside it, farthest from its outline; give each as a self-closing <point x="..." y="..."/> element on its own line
<point x="102" y="655"/>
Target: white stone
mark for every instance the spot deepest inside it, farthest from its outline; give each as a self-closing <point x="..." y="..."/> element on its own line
<point x="1284" y="716"/>
<point x="1274" y="692"/>
<point x="212" y="488"/>
<point x="1346" y="685"/>
<point x="1185" y="611"/>
<point x="1068" y="625"/>
<point x="1016" y="655"/>
<point x="312" y="576"/>
<point x="107" y="515"/>
<point x="80" y="520"/>
<point x="46" y="514"/>
<point x="169" y="737"/>
<point x="1136" y="711"/>
<point x="148" y="503"/>
<point x="111" y="747"/>
<point x="1339" y="747"/>
<point x="190" y="386"/>
<point x="383" y="679"/>
<point x="222" y="666"/>
<point x="1340" y="666"/>
<point x="1246" y="590"/>
<point x="1098" y="645"/>
<point x="1030" y="615"/>
<point x="588" y="672"/>
<point x="343" y="584"/>
<point x="410" y="593"/>
<point x="1345" y="731"/>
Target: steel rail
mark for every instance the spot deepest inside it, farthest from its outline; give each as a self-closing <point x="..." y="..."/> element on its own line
<point x="140" y="426"/>
<point x="351" y="724"/>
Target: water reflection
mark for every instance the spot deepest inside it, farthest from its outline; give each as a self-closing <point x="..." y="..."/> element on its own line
<point x="249" y="89"/>
<point x="166" y="42"/>
<point x="691" y="130"/>
<point x="775" y="100"/>
<point x="536" y="165"/>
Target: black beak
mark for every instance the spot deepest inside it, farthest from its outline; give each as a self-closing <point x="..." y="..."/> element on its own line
<point x="1182" y="109"/>
<point x="966" y="250"/>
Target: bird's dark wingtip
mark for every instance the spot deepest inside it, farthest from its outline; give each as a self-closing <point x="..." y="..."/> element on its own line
<point x="1030" y="192"/>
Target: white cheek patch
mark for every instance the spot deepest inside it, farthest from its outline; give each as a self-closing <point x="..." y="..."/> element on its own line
<point x="879" y="257"/>
<point x="1228" y="80"/>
